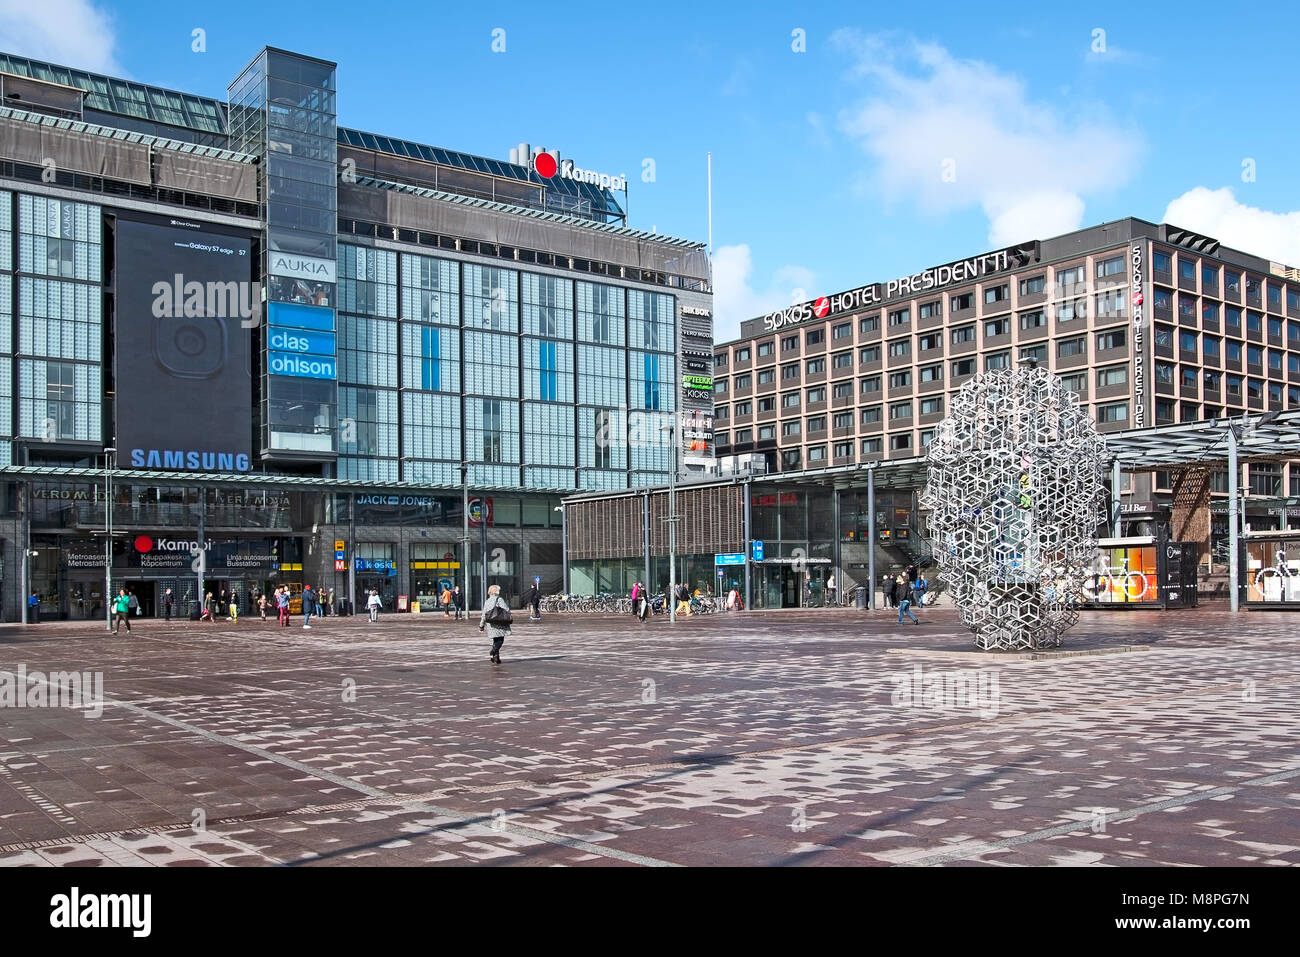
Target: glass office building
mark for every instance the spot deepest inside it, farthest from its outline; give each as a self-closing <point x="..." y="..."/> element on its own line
<point x="297" y="336"/>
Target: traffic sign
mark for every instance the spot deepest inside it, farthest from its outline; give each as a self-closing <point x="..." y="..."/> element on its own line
<point x="732" y="558"/>
<point x="340" y="565"/>
<point x="756" y="550"/>
<point x="339" y="545"/>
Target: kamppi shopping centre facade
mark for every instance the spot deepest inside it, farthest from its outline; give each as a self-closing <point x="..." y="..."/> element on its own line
<point x="267" y="349"/>
<point x="1177" y="345"/>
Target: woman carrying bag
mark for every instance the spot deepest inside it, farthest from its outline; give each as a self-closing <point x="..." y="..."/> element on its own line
<point x="496" y="616"/>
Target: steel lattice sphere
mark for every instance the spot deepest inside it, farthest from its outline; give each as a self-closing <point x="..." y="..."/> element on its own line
<point x="1016" y="494"/>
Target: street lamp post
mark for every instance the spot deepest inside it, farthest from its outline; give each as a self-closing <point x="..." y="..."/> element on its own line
<point x="108" y="537"/>
<point x="564" y="546"/>
<point x="464" y="536"/>
<point x="672" y="525"/>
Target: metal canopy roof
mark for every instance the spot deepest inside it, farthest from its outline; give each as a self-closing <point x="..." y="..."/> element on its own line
<point x="1267" y="434"/>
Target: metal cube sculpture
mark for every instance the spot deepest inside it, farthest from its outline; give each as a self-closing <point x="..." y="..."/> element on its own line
<point x="1016" y="492"/>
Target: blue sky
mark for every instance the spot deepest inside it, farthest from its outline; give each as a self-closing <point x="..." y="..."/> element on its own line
<point x="896" y="140"/>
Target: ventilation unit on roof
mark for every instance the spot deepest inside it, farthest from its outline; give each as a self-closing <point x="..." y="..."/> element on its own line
<point x="1190" y="240"/>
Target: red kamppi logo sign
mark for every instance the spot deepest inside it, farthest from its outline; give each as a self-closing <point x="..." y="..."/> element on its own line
<point x="545" y="165"/>
<point x="143" y="543"/>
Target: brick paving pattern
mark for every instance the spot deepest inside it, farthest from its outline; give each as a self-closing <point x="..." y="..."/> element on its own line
<point x="782" y="738"/>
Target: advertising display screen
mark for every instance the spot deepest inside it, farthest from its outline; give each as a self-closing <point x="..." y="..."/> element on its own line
<point x="1123" y="576"/>
<point x="1273" y="571"/>
<point x="185" y="308"/>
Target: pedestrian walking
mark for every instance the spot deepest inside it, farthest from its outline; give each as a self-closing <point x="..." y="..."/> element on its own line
<point x="261" y="606"/>
<point x="373" y="604"/>
<point x="282" y="605"/>
<point x="333" y="607"/>
<point x="683" y="596"/>
<point x="133" y="604"/>
<point x="458" y="603"/>
<point x="636" y="598"/>
<point x="496" y="617"/>
<point x="919" y="589"/>
<point x="902" y="589"/>
<point x="905" y="608"/>
<point x="34" y="610"/>
<point x="445" y="600"/>
<point x="232" y="609"/>
<point x="830" y="589"/>
<point x="122" y="611"/>
<point x="533" y="599"/>
<point x="167" y="605"/>
<point x="308" y="606"/>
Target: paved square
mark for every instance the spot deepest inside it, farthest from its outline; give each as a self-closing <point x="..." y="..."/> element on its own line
<point x="816" y="737"/>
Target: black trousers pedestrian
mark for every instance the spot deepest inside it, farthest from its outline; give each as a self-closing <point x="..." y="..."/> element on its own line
<point x="167" y="613"/>
<point x="537" y="609"/>
<point x="118" y="618"/>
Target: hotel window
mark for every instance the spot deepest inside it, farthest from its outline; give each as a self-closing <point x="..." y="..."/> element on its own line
<point x="1233" y="351"/>
<point x="1112" y="412"/>
<point x="1231" y="282"/>
<point x="997" y="294"/>
<point x="898" y="380"/>
<point x="766" y="432"/>
<point x="1188" y="378"/>
<point x="843" y="420"/>
<point x="1275" y="327"/>
<point x="871" y="446"/>
<point x="720" y="386"/>
<point x="1254" y="389"/>
<point x="926" y="343"/>
<point x="1164" y="373"/>
<point x="843" y="450"/>
<point x="1037" y="353"/>
<point x="790" y="371"/>
<point x="1210" y="313"/>
<point x="1187" y="307"/>
<point x="794" y="427"/>
<point x="870" y="384"/>
<point x="870" y="415"/>
<point x="766" y="376"/>
<point x="1162" y="300"/>
<point x="722" y="439"/>
<point x="767" y="403"/>
<point x="1068" y="280"/>
<point x="817" y="395"/>
<point x="1292" y="301"/>
<point x="1293" y="363"/>
<point x="1265" y="478"/>
<point x="1112" y="303"/>
<point x="963" y="367"/>
<point x="900" y="317"/>
<point x="1068" y="348"/>
<point x="1186" y="268"/>
<point x="744" y="436"/>
<point x="997" y="327"/>
<point x="843" y="360"/>
<point x="932" y="405"/>
<point x="766" y="348"/>
<point x="1164" y="337"/>
<point x="817" y="424"/>
<point x="1254" y="355"/>
<point x="720" y="361"/>
<point x="932" y="373"/>
<point x="1160" y="261"/>
<point x="843" y="390"/>
<point x="1070" y="309"/>
<point x="1212" y="380"/>
<point x="1293" y="334"/>
<point x="929" y="309"/>
<point x="1233" y="389"/>
<point x="790" y="460"/>
<point x="1187" y="341"/>
<point x="868" y="324"/>
<point x="869" y="354"/>
<point x="789" y="342"/>
<point x="1075" y="382"/>
<point x="1115" y="339"/>
<point x="999" y="360"/>
<point x="963" y="334"/>
<point x="816" y="366"/>
<point x="1275" y="296"/>
<point x="965" y="301"/>
<point x="744" y="381"/>
<point x="815" y="337"/>
<point x="1275" y="360"/>
<point x="900" y="443"/>
<point x="1188" y="412"/>
<point x="1211" y="346"/>
<point x="1033" y="320"/>
<point x="1209" y="279"/>
<point x="1293" y="400"/>
<point x="1254" y="321"/>
<point x="1114" y="266"/>
<point x="790" y="400"/>
<point x="843" y="331"/>
<point x="900" y="347"/>
<point x="1164" y="411"/>
<point x="900" y="410"/>
<point x="723" y="412"/>
<point x="744" y="408"/>
<point x="816" y="453"/>
<point x="742" y="355"/>
<point x="1232" y="317"/>
<point x="1033" y="285"/>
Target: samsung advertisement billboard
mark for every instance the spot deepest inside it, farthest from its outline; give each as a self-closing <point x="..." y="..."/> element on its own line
<point x="186" y="306"/>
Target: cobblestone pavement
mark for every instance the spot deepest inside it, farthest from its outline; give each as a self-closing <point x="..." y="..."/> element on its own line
<point x="804" y="737"/>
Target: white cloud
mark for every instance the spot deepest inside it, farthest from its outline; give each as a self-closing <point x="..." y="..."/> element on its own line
<point x="1217" y="213"/>
<point x="951" y="134"/>
<point x="735" y="300"/>
<point x="68" y="32"/>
